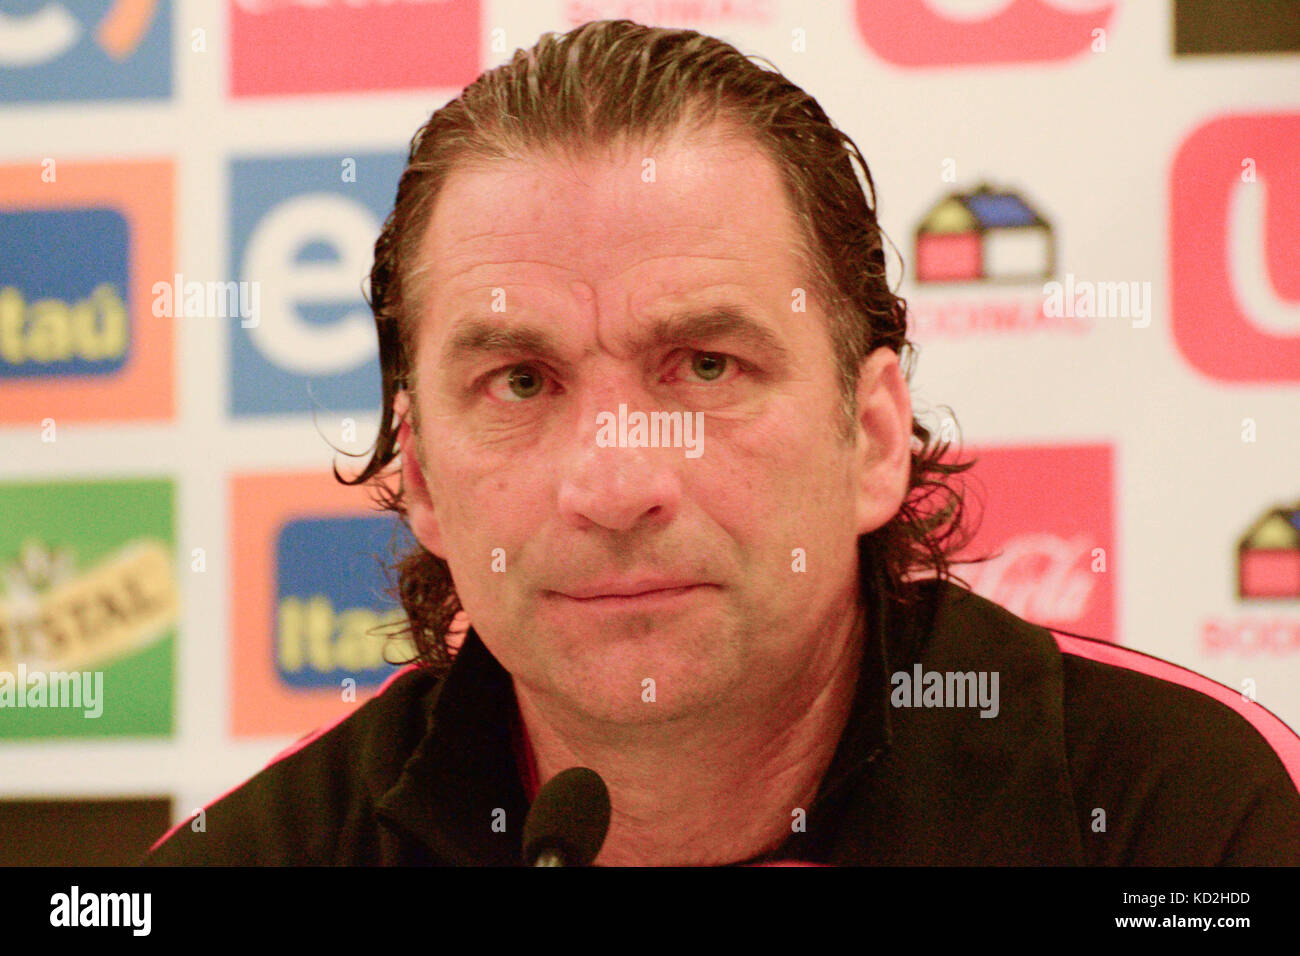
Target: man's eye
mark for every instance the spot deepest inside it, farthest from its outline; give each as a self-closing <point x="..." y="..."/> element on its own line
<point x="521" y="382"/>
<point x="710" y="366"/>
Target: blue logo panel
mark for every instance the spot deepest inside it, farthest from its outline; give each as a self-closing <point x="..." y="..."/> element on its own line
<point x="330" y="597"/>
<point x="303" y="230"/>
<point x="64" y="306"/>
<point x="52" y="50"/>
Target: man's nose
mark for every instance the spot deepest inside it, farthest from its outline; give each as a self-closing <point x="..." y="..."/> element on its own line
<point x="615" y="486"/>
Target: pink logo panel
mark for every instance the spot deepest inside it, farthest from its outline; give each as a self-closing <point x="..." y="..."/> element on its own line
<point x="336" y="46"/>
<point x="1048" y="517"/>
<point x="1234" y="251"/>
<point x="915" y="33"/>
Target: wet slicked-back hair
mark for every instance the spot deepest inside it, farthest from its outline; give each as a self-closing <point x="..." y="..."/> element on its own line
<point x="617" y="81"/>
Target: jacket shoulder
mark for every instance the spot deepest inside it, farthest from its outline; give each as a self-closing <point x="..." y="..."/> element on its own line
<point x="1173" y="768"/>
<point x="1165" y="766"/>
<point x="314" y="802"/>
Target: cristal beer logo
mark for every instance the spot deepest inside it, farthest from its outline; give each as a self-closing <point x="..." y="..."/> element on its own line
<point x="52" y="615"/>
<point x="89" y="606"/>
<point x="938" y="33"/>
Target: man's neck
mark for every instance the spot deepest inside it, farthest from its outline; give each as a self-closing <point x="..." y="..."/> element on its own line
<point x="715" y="790"/>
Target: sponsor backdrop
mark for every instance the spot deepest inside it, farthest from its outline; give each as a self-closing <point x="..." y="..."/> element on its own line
<point x="1095" y="206"/>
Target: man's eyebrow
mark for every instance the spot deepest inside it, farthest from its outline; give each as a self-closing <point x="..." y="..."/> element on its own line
<point x="723" y="321"/>
<point x="473" y="335"/>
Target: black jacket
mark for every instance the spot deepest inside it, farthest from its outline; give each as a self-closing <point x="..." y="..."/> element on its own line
<point x="1085" y="763"/>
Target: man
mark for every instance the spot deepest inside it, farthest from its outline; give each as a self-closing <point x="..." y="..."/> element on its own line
<point x="641" y="363"/>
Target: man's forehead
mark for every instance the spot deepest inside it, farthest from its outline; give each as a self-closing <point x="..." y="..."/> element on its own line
<point x="691" y="207"/>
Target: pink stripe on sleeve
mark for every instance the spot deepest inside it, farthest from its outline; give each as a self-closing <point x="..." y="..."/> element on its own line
<point x="1280" y="737"/>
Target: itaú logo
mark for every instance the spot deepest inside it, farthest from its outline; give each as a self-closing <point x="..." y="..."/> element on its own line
<point x="31" y="39"/>
<point x="928" y="33"/>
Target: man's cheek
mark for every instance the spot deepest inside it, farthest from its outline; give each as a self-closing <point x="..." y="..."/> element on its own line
<point x="462" y="536"/>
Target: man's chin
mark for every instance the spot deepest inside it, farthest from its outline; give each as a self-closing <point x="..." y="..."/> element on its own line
<point x="630" y="675"/>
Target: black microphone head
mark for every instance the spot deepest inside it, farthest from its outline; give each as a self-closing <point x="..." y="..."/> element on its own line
<point x="570" y="816"/>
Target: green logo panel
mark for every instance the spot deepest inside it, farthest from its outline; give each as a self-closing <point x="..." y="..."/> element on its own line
<point x="89" y="606"/>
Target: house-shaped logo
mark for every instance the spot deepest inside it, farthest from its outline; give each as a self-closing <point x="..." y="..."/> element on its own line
<point x="1268" y="556"/>
<point x="988" y="235"/>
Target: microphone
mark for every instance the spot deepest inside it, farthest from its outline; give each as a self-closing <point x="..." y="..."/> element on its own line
<point x="567" y="823"/>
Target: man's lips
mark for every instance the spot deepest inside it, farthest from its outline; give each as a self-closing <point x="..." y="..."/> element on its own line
<point x="627" y="589"/>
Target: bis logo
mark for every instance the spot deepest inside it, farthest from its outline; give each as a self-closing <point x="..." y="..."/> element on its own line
<point x="75" y="50"/>
<point x="1234" y="252"/>
<point x="312" y="619"/>
<point x="939" y="33"/>
<point x="80" y="245"/>
<point x="304" y="230"/>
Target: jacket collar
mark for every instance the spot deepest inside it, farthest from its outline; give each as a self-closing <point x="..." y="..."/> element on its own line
<point x="954" y="787"/>
<point x="460" y="792"/>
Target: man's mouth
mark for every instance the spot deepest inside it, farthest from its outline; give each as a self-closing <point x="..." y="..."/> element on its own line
<point x="630" y="591"/>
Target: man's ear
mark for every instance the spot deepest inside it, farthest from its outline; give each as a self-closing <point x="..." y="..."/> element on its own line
<point x="884" y="435"/>
<point x="415" y="491"/>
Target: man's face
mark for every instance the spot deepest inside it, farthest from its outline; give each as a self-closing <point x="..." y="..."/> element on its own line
<point x="661" y="281"/>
